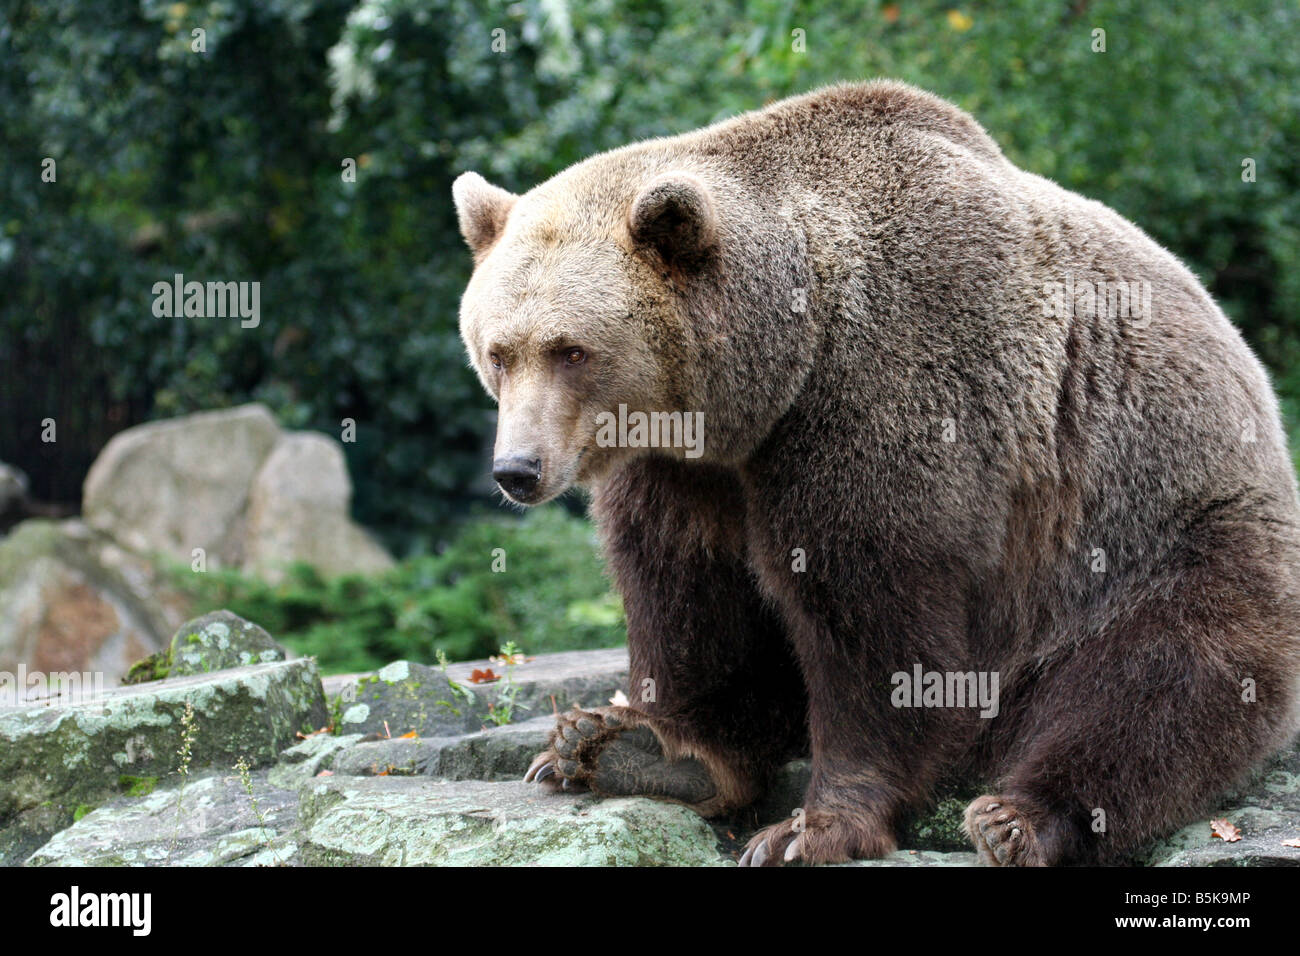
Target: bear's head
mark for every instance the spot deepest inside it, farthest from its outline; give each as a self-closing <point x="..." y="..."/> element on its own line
<point x="599" y="317"/>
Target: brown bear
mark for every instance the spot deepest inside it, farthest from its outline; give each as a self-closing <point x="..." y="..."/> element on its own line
<point x="948" y="472"/>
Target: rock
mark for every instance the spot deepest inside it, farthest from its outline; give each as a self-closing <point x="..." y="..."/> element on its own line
<point x="402" y="821"/>
<point x="497" y="753"/>
<point x="84" y="752"/>
<point x="306" y="759"/>
<point x="396" y="757"/>
<point x="71" y="600"/>
<point x="176" y="485"/>
<point x="218" y="641"/>
<point x="417" y="697"/>
<point x="582" y="678"/>
<point x="403" y="698"/>
<point x="214" y="820"/>
<point x="1266" y="811"/>
<point x="30" y="830"/>
<point x="95" y="784"/>
<point x="231" y="483"/>
<point x="13" y="492"/>
<point x="377" y="820"/>
<point x="919" y="858"/>
<point x="298" y="510"/>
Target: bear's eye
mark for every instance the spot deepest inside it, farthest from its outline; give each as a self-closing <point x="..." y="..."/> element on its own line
<point x="495" y="360"/>
<point x="575" y="357"/>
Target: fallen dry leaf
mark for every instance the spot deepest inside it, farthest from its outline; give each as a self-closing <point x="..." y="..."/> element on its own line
<point x="409" y="735"/>
<point x="483" y="677"/>
<point x="1295" y="843"/>
<point x="620" y="699"/>
<point x="1225" y="831"/>
<point x="325" y="773"/>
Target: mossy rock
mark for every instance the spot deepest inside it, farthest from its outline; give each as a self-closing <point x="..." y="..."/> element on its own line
<point x="63" y="757"/>
<point x="218" y="641"/>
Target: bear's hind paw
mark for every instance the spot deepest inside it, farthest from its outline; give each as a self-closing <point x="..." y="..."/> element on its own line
<point x="615" y="753"/>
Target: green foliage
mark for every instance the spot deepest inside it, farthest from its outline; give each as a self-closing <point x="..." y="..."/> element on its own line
<point x="227" y="165"/>
<point x="551" y="595"/>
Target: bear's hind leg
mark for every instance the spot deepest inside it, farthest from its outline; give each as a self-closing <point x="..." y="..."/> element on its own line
<point x="1133" y="732"/>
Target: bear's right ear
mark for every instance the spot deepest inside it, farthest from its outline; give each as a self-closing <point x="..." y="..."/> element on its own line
<point x="674" y="214"/>
<point x="481" y="209"/>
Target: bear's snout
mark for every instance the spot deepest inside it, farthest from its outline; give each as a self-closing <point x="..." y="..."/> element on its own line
<point x="518" y="476"/>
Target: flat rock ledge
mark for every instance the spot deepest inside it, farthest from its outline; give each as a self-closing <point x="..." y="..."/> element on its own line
<point x="97" y="783"/>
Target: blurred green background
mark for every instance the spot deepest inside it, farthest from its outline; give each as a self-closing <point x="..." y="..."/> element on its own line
<point x="228" y="164"/>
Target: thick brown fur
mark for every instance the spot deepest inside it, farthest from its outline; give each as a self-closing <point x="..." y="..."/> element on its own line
<point x="907" y="461"/>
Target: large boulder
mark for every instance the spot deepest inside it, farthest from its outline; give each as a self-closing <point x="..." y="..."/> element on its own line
<point x="177" y="485"/>
<point x="298" y="510"/>
<point x="72" y="600"/>
<point x="233" y="484"/>
<point x="13" y="493"/>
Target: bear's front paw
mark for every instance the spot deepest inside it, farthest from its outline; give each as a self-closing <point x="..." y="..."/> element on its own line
<point x="614" y="751"/>
<point x="819" y="836"/>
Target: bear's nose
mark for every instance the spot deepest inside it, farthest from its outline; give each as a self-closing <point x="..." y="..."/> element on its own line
<point x="517" y="477"/>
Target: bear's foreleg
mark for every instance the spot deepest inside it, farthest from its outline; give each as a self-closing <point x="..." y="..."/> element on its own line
<point x="717" y="701"/>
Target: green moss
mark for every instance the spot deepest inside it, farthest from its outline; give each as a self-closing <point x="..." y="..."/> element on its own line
<point x="336" y="714"/>
<point x="942" y="829"/>
<point x="81" y="811"/>
<point x="137" y="786"/>
<point x="154" y="667"/>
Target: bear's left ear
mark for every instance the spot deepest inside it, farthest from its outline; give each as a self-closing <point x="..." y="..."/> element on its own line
<point x="481" y="209"/>
<point x="674" y="214"/>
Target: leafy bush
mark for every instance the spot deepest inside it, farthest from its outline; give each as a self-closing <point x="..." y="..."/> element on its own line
<point x="551" y="596"/>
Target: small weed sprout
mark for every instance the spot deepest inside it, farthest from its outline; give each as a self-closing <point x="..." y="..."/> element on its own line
<point x="463" y="693"/>
<point x="503" y="710"/>
<point x="246" y="779"/>
<point x="189" y="734"/>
